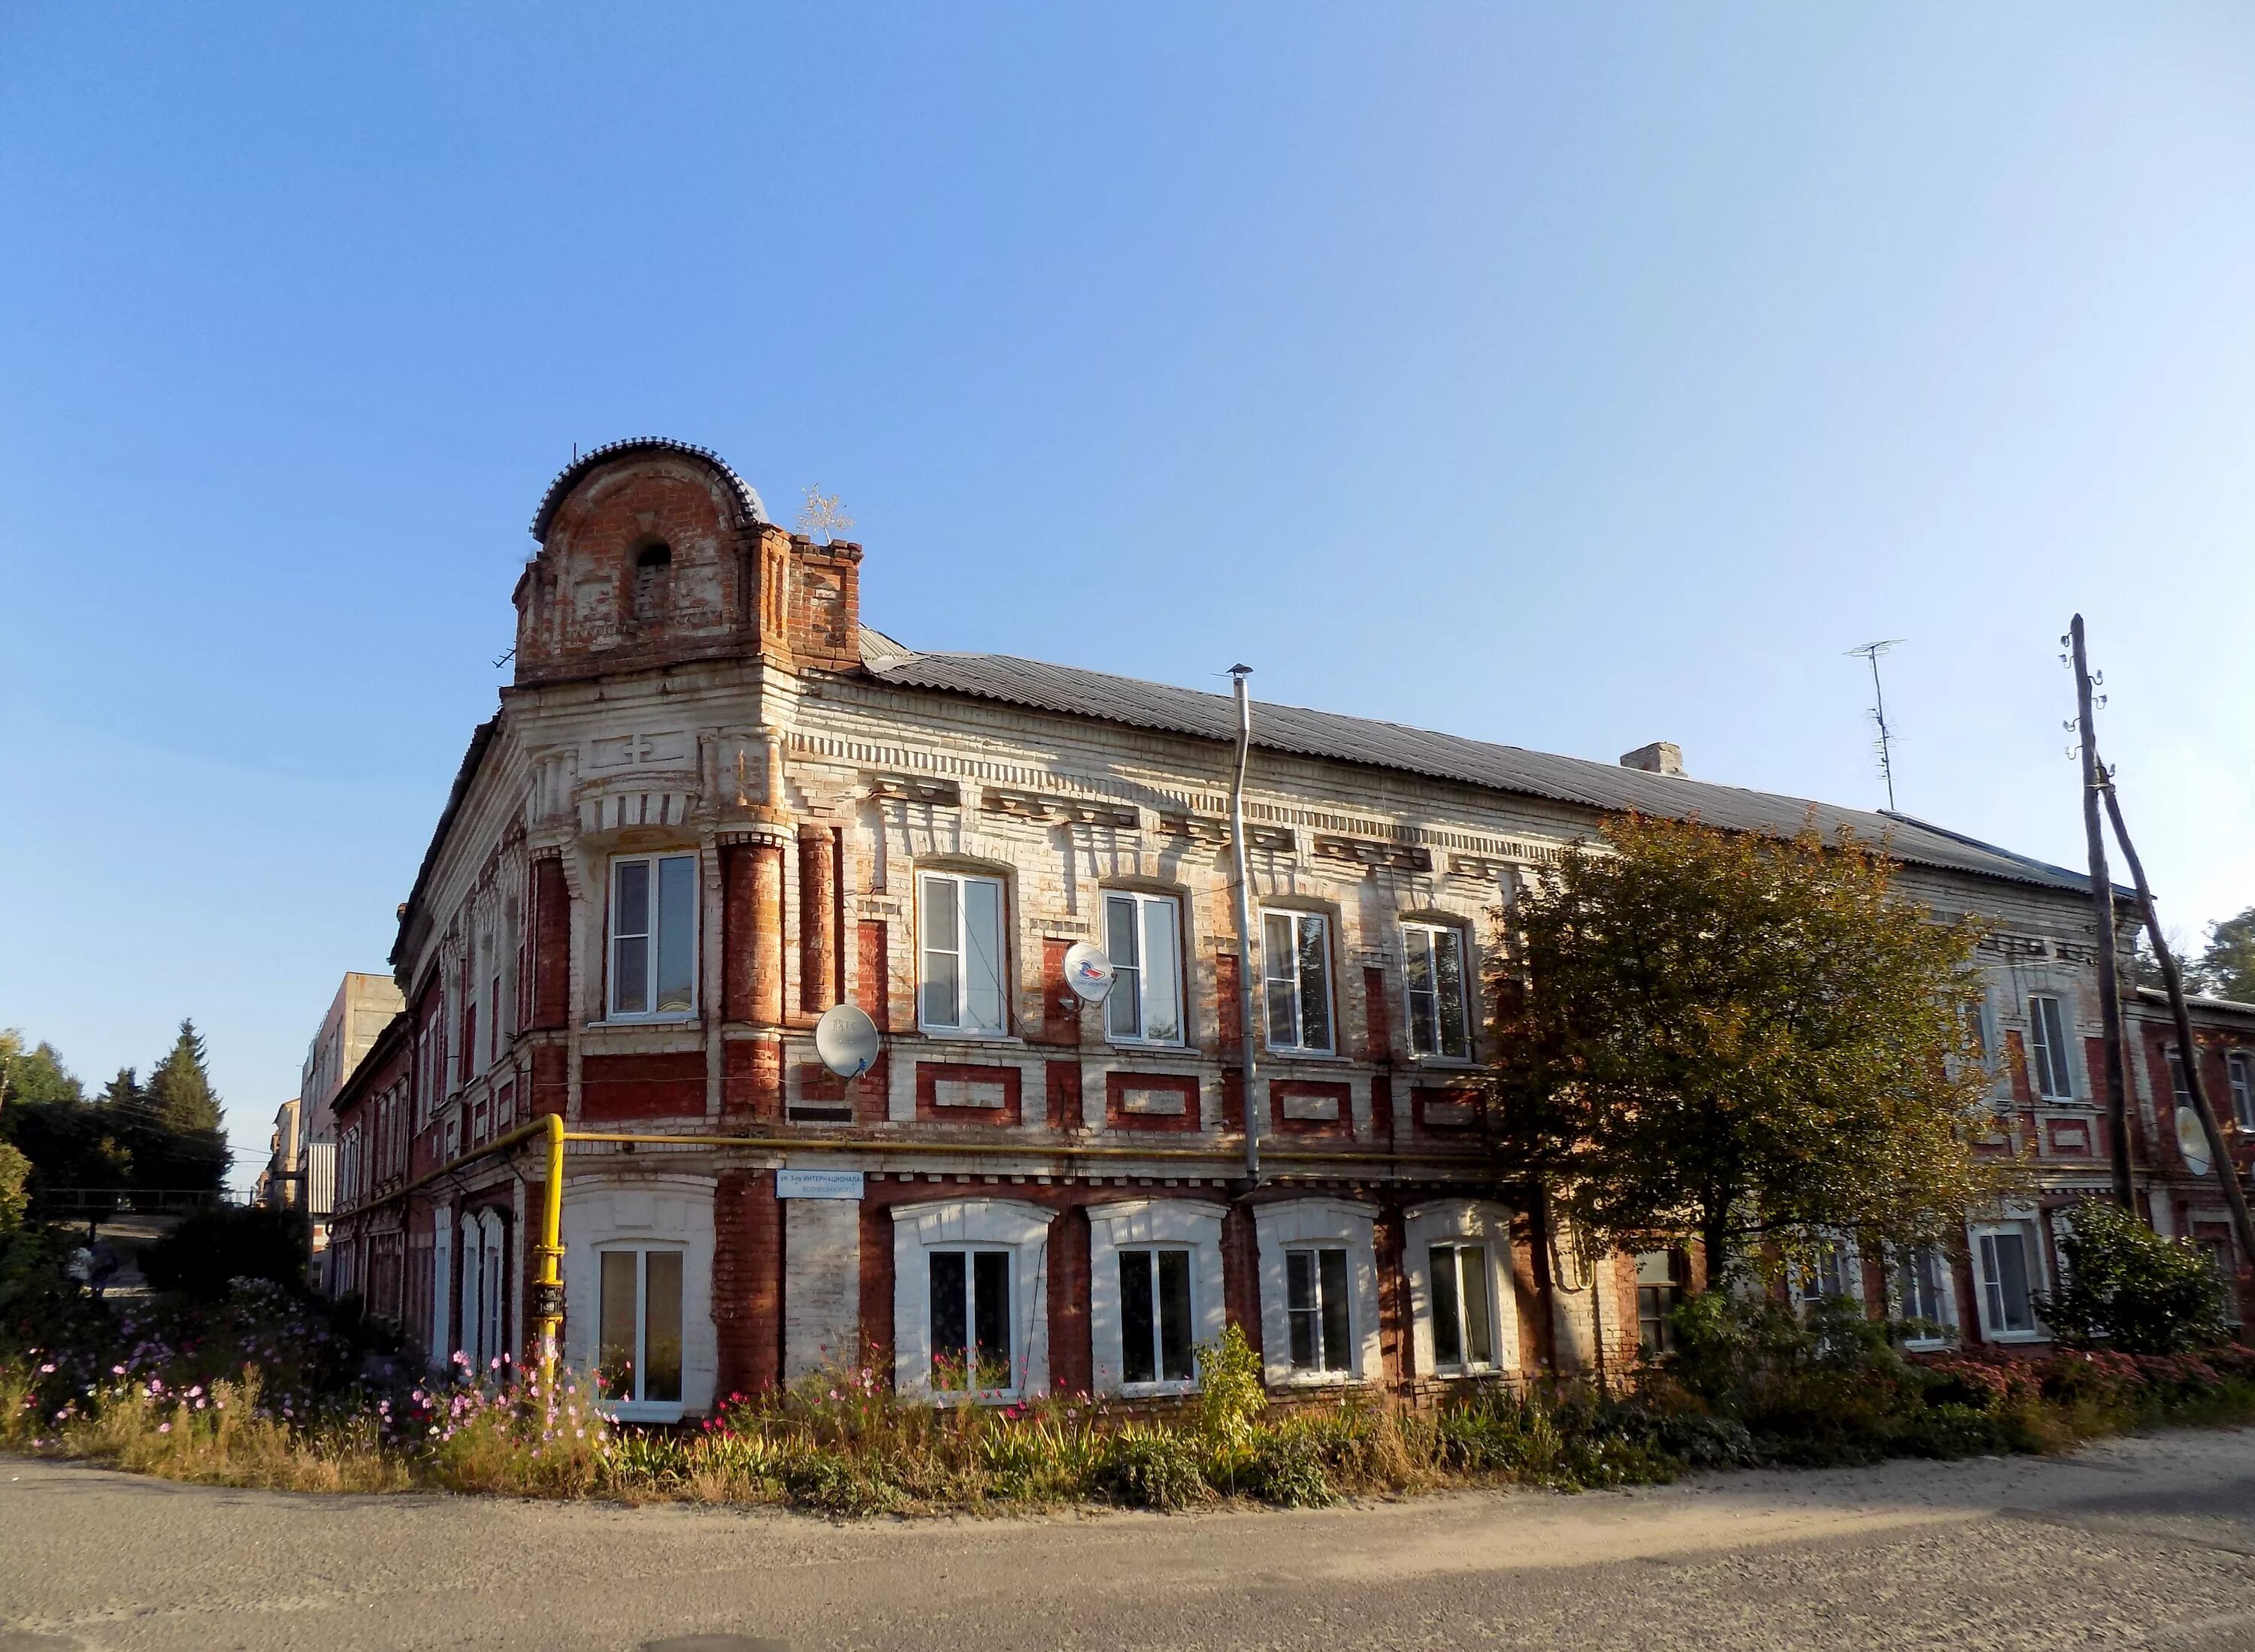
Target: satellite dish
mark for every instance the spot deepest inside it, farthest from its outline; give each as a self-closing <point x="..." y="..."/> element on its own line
<point x="2192" y="1142"/>
<point x="1087" y="971"/>
<point x="846" y="1040"/>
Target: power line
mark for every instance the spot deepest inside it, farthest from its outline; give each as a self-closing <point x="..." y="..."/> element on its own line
<point x="1879" y="714"/>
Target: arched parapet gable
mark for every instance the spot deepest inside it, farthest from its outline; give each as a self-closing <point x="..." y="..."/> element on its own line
<point x="652" y="553"/>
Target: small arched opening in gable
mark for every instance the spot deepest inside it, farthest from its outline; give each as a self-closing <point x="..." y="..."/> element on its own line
<point x="652" y="574"/>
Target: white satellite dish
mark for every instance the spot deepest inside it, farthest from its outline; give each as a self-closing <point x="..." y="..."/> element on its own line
<point x="2192" y="1142"/>
<point x="1087" y="971"/>
<point x="846" y="1040"/>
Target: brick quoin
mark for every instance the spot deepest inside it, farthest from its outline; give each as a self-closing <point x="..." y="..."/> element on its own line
<point x="1395" y="1358"/>
<point x="747" y="1281"/>
<point x="1072" y="1359"/>
<point x="737" y="931"/>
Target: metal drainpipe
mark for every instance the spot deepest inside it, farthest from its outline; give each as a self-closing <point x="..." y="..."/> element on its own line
<point x="1245" y="964"/>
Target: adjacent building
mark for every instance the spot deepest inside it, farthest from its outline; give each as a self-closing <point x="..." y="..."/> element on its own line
<point x="713" y="804"/>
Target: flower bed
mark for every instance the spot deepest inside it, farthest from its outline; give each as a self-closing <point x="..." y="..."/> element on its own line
<point x="266" y="1391"/>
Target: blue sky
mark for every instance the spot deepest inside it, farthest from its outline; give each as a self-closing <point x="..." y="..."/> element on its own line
<point x="1570" y="377"/>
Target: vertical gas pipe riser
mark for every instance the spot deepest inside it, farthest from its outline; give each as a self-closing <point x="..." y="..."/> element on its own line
<point x="1245" y="964"/>
<point x="548" y="1290"/>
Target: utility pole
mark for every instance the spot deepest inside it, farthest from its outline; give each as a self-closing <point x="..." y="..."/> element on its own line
<point x="2102" y="902"/>
<point x="2219" y="1157"/>
<point x="1871" y="652"/>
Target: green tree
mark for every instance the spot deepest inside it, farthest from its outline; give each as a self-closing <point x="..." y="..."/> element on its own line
<point x="1735" y="1038"/>
<point x="2126" y="1285"/>
<point x="33" y="1076"/>
<point x="180" y="1088"/>
<point x="2227" y="967"/>
<point x="124" y="1092"/>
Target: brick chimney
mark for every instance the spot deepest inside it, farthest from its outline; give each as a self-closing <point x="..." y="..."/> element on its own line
<point x="1661" y="757"/>
<point x="825" y="619"/>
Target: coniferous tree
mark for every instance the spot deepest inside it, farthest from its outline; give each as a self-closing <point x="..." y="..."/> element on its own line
<point x="180" y="1088"/>
<point x="124" y="1092"/>
<point x="2227" y="968"/>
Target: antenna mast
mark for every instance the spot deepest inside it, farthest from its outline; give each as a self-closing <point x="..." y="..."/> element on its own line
<point x="1871" y="652"/>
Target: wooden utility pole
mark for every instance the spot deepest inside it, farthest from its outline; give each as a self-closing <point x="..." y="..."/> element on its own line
<point x="2219" y="1159"/>
<point x="2102" y="901"/>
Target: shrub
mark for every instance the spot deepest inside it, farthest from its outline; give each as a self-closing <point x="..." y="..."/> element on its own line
<point x="1232" y="1394"/>
<point x="2126" y="1285"/>
<point x="211" y="1248"/>
<point x="1143" y="1466"/>
<point x="1285" y="1466"/>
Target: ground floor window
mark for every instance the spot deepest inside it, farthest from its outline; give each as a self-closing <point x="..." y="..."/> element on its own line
<point x="1155" y="1316"/>
<point x="2005" y="1255"/>
<point x="1462" y="1337"/>
<point x="1659" y="1288"/>
<point x="639" y="1359"/>
<point x="1922" y="1290"/>
<point x="1318" y="1307"/>
<point x="970" y="1320"/>
<point x="1829" y="1275"/>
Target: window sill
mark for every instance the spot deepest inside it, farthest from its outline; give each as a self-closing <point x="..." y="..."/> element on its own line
<point x="1332" y="1057"/>
<point x="1316" y="1380"/>
<point x="687" y="1018"/>
<point x="1445" y="1063"/>
<point x="959" y="1035"/>
<point x="1146" y="1046"/>
<point x="1927" y="1345"/>
<point x="2015" y="1338"/>
<point x="1156" y="1390"/>
<point x="640" y="1410"/>
<point x="1465" y="1373"/>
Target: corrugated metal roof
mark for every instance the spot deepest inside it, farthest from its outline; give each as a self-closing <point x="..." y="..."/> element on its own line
<point x="1326" y="734"/>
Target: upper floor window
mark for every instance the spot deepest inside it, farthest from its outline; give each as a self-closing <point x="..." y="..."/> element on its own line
<point x="1143" y="935"/>
<point x="1296" y="981"/>
<point x="2180" y="1088"/>
<point x="2241" y="1067"/>
<point x="960" y="924"/>
<point x="653" y="935"/>
<point x="2048" y="1050"/>
<point x="1433" y="959"/>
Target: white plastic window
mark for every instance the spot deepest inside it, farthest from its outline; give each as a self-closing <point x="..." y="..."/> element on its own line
<point x="2241" y="1067"/>
<point x="2005" y="1255"/>
<point x="2048" y="1050"/>
<point x="1434" y="970"/>
<point x="1922" y="1289"/>
<point x="1155" y="1318"/>
<point x="1296" y="981"/>
<point x="1142" y="933"/>
<point x="639" y="1317"/>
<point x="1319" y="1309"/>
<point x="653" y="936"/>
<point x="961" y="989"/>
<point x="1464" y="1336"/>
<point x="971" y="1321"/>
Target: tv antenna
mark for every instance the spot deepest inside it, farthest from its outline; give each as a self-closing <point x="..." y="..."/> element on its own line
<point x="1871" y="652"/>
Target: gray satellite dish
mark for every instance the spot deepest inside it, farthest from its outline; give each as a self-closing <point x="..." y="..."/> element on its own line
<point x="846" y="1040"/>
<point x="1087" y="971"/>
<point x="2192" y="1142"/>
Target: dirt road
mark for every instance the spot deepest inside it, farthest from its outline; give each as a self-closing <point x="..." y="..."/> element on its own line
<point x="2147" y="1543"/>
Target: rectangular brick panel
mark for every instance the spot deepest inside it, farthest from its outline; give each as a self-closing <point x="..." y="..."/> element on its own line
<point x="551" y="925"/>
<point x="1062" y="1079"/>
<point x="931" y="1075"/>
<point x="652" y="1087"/>
<point x="1073" y="1360"/>
<point x="1338" y="1099"/>
<point x="872" y="989"/>
<point x="1122" y="1088"/>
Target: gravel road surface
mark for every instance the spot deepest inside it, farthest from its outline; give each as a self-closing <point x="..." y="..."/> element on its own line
<point x="2141" y="1543"/>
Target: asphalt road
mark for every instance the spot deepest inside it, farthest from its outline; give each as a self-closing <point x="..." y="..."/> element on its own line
<point x="2146" y="1542"/>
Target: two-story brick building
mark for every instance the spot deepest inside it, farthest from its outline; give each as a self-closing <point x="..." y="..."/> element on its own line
<point x="712" y="804"/>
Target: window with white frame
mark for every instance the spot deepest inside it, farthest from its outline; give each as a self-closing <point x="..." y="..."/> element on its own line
<point x="1319" y="1291"/>
<point x="1142" y="933"/>
<point x="1296" y="972"/>
<point x="653" y="936"/>
<point x="1831" y="1273"/>
<point x="969" y="1291"/>
<point x="1318" y="1307"/>
<point x="1659" y="1288"/>
<point x="1155" y="1316"/>
<point x="1433" y="970"/>
<point x="2048" y="1049"/>
<point x="638" y="1359"/>
<point x="1920" y="1284"/>
<point x="2239" y="1065"/>
<point x="1464" y="1325"/>
<point x="2180" y="1088"/>
<point x="960" y="928"/>
<point x="1154" y="1291"/>
<point x="970" y="1319"/>
<point x="2009" y="1271"/>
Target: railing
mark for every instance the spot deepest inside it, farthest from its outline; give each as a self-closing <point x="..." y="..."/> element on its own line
<point x="144" y="1201"/>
